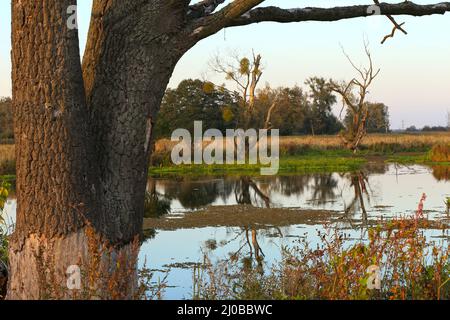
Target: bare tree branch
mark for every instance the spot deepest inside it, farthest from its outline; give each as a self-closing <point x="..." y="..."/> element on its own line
<point x="276" y="14"/>
<point x="356" y="104"/>
<point x="245" y="12"/>
<point x="394" y="22"/>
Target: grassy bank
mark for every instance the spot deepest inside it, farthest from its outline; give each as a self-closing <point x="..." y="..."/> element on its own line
<point x="289" y="164"/>
<point x="438" y="155"/>
<point x="318" y="154"/>
<point x="374" y="144"/>
<point x="298" y="154"/>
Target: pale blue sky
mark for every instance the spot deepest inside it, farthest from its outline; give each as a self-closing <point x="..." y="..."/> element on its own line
<point x="415" y="69"/>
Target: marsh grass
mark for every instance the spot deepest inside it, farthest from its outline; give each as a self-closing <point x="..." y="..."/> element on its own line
<point x="106" y="274"/>
<point x="7" y="159"/>
<point x="288" y="165"/>
<point x="331" y="146"/>
<point x="384" y="143"/>
<point x="410" y="268"/>
<point x="4" y="192"/>
<point x="306" y="154"/>
<point x="440" y="152"/>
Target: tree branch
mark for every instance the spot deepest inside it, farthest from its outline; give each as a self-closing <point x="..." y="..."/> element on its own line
<point x="275" y="14"/>
<point x="209" y="25"/>
<point x="203" y="8"/>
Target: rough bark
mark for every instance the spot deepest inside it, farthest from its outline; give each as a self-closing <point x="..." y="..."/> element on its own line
<point x="63" y="185"/>
<point x="55" y="192"/>
<point x="127" y="64"/>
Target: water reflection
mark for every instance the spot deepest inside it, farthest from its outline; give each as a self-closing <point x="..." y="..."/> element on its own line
<point x="441" y="173"/>
<point x="378" y="189"/>
<point x="360" y="185"/>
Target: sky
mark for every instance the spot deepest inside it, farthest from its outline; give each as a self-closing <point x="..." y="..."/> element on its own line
<point x="415" y="68"/>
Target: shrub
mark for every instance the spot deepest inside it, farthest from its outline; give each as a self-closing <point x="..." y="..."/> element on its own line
<point x="440" y="153"/>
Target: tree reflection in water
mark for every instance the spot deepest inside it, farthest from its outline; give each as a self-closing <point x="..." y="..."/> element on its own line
<point x="359" y="182"/>
<point x="242" y="192"/>
<point x="441" y="173"/>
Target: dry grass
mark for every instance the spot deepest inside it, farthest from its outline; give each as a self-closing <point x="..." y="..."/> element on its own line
<point x="299" y="145"/>
<point x="440" y="153"/>
<point x="410" y="268"/>
<point x="335" y="142"/>
<point x="7" y="159"/>
<point x="373" y="142"/>
<point x="295" y="145"/>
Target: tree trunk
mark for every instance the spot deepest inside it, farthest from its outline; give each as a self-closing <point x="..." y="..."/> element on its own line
<point x="55" y="192"/>
<point x="126" y="70"/>
<point x="83" y="141"/>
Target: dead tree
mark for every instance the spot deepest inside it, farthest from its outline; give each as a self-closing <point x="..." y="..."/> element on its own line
<point x="354" y="95"/>
<point x="246" y="75"/>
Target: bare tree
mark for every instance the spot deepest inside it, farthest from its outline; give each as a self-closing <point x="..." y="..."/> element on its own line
<point x="246" y="74"/>
<point x="354" y="95"/>
<point x="83" y="131"/>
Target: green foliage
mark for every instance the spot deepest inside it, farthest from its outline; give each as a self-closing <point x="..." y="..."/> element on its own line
<point x="196" y="100"/>
<point x="4" y="192"/>
<point x="320" y="118"/>
<point x="377" y="119"/>
<point x="298" y="111"/>
<point x="155" y="206"/>
<point x="244" y="67"/>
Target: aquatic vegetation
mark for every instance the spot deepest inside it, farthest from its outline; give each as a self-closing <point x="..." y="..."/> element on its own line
<point x="396" y="261"/>
<point x="3" y="240"/>
<point x="288" y="164"/>
<point x="155" y="206"/>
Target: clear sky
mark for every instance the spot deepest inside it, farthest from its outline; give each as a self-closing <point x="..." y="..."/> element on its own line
<point x="415" y="69"/>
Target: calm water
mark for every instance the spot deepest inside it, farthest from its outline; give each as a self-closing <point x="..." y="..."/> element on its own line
<point x="377" y="191"/>
<point x="382" y="190"/>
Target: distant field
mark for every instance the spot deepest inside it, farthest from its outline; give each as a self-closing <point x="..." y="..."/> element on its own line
<point x="380" y="143"/>
<point x="404" y="141"/>
<point x="383" y="144"/>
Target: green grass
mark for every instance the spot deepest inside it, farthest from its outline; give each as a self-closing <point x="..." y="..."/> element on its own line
<point x="9" y="177"/>
<point x="323" y="162"/>
<point x="420" y="158"/>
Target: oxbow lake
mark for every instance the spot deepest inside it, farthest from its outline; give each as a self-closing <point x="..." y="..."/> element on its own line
<point x="353" y="201"/>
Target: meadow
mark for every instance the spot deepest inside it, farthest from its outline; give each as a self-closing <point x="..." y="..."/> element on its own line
<point x="299" y="153"/>
<point x="322" y="154"/>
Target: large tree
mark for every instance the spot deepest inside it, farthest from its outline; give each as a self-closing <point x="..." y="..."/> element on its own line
<point x="83" y="131"/>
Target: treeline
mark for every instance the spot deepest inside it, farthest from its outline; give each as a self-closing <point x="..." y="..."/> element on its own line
<point x="297" y="111"/>
<point x="427" y="129"/>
